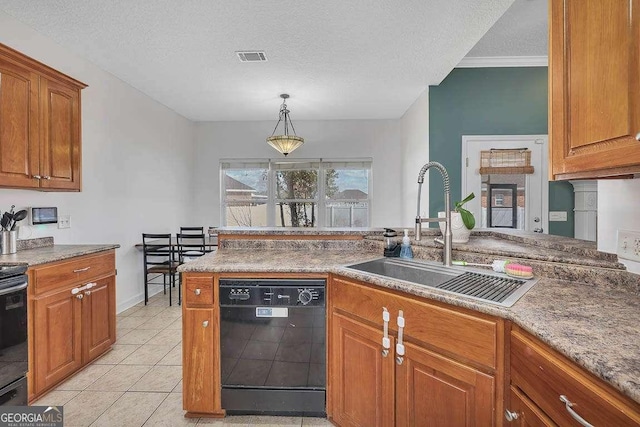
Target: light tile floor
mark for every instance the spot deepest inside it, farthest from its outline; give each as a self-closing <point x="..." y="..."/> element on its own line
<point x="139" y="382"/>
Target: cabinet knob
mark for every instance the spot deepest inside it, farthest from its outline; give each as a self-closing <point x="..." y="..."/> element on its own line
<point x="197" y="292"/>
<point x="79" y="296"/>
<point x="37" y="177"/>
<point x="46" y="177"/>
<point x="638" y="136"/>
<point x="205" y="323"/>
<point x="87" y="293"/>
<point x="510" y="415"/>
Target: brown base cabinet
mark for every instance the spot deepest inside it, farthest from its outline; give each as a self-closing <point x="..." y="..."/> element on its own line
<point x="428" y="385"/>
<point x="72" y="317"/>
<point x="201" y="346"/>
<point x="543" y="382"/>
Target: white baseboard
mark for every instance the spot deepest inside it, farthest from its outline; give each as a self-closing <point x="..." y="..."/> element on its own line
<point x="125" y="305"/>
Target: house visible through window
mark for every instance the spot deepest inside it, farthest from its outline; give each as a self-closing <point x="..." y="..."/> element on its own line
<point x="300" y="193"/>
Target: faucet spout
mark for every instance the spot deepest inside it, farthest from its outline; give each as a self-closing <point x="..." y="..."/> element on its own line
<point x="446" y="256"/>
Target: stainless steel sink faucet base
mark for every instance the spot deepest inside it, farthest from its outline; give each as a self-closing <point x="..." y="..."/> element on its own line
<point x="446" y="256"/>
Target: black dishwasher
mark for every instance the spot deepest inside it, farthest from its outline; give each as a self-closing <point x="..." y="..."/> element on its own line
<point x="272" y="344"/>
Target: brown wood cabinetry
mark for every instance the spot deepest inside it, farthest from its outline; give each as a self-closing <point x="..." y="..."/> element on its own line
<point x="201" y="346"/>
<point x="40" y="138"/>
<point x="71" y="322"/>
<point x="542" y="378"/>
<point x="450" y="372"/>
<point x="594" y="88"/>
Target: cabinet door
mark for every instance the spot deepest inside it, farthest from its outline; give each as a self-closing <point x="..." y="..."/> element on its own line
<point x="98" y="318"/>
<point x="57" y="330"/>
<point x="201" y="392"/>
<point x="19" y="144"/>
<point x="360" y="377"/>
<point x="60" y="136"/>
<point x="433" y="390"/>
<point x="594" y="74"/>
<point x="526" y="412"/>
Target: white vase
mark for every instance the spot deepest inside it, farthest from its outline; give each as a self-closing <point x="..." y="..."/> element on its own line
<point x="459" y="231"/>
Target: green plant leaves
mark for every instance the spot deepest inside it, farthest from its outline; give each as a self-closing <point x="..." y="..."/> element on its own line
<point x="467" y="217"/>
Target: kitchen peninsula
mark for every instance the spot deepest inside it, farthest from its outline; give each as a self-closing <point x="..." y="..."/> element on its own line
<point x="574" y="332"/>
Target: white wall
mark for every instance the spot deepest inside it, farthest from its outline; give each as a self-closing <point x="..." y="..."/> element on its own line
<point x="137" y="157"/>
<point x="329" y="139"/>
<point x="414" y="128"/>
<point x="618" y="208"/>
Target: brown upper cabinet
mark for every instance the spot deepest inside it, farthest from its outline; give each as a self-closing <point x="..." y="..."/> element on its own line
<point x="40" y="137"/>
<point x="594" y="88"/>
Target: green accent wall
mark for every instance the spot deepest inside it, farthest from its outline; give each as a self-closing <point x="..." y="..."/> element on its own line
<point x="489" y="101"/>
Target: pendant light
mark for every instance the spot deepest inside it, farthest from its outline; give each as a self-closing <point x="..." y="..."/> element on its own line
<point x="285" y="143"/>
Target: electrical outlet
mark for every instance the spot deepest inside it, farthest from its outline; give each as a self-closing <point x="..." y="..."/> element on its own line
<point x="64" y="221"/>
<point x="629" y="245"/>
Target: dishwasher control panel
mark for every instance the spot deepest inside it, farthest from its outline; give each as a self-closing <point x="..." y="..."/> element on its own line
<point x="272" y="292"/>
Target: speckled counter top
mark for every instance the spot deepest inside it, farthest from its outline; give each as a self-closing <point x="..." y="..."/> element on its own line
<point x="299" y="231"/>
<point x="595" y="326"/>
<point x="53" y="253"/>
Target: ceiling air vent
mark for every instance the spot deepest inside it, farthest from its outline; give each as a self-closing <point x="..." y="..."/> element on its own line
<point x="252" y="56"/>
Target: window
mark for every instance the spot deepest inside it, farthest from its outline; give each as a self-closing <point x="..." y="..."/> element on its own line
<point x="300" y="193"/>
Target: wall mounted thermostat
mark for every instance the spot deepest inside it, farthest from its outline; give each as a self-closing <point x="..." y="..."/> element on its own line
<point x="39" y="216"/>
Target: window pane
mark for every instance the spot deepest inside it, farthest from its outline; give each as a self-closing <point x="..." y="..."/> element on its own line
<point x="502" y="204"/>
<point x="296" y="214"/>
<point x="297" y="184"/>
<point x="347" y="214"/>
<point x="347" y="184"/>
<point x="245" y="197"/>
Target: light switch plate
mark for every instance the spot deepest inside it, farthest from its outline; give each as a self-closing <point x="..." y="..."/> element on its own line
<point x="64" y="221"/>
<point x="557" y="215"/>
<point x="629" y="245"/>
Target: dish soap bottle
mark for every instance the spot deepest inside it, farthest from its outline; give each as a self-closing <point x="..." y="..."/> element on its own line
<point x="405" y="249"/>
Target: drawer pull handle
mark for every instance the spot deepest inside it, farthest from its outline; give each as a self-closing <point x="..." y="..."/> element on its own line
<point x="79" y="296"/>
<point x="386" y="342"/>
<point x="80" y="270"/>
<point x="568" y="404"/>
<point x="37" y="177"/>
<point x="638" y="136"/>
<point x="46" y="177"/>
<point x="205" y="323"/>
<point x="510" y="415"/>
<point x="197" y="292"/>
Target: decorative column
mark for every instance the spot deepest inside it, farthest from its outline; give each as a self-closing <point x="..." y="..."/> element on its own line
<point x="586" y="209"/>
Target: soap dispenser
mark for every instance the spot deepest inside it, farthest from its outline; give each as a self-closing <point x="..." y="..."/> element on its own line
<point x="405" y="249"/>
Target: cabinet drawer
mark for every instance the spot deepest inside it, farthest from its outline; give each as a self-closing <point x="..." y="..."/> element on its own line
<point x="544" y="376"/>
<point x="75" y="271"/>
<point x="471" y="337"/>
<point x="198" y="291"/>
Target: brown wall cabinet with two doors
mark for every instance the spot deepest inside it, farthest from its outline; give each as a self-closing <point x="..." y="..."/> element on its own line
<point x="40" y="134"/>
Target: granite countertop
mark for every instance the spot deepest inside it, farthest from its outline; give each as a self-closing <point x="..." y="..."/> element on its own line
<point x="298" y="231"/>
<point x="53" y="253"/>
<point x="595" y="326"/>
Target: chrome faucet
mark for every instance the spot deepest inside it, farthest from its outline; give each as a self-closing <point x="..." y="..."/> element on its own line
<point x="446" y="255"/>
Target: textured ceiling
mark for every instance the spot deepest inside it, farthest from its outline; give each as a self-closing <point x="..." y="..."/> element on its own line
<point x="338" y="59"/>
<point x="521" y="31"/>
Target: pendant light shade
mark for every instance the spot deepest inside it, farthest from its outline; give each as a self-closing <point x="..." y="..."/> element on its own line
<point x="284" y="142"/>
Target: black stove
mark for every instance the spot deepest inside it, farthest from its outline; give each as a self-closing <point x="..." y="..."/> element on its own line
<point x="13" y="334"/>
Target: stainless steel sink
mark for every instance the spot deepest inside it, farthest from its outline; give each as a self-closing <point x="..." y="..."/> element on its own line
<point x="489" y="287"/>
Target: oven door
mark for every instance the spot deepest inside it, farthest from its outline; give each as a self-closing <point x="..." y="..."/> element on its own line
<point x="273" y="360"/>
<point x="13" y="329"/>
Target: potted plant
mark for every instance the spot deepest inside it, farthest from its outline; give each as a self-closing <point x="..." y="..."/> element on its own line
<point x="462" y="221"/>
